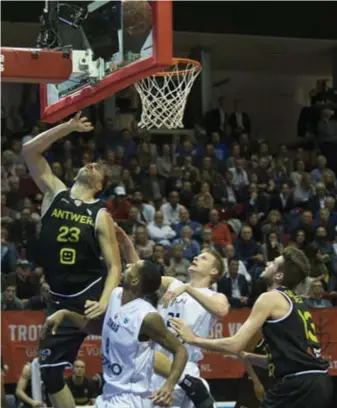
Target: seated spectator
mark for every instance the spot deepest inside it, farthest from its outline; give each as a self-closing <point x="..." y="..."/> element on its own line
<point x="235" y="154"/>
<point x="284" y="201"/>
<point x="187" y="194"/>
<point x="22" y="228"/>
<point x="160" y="232"/>
<point x="119" y="207"/>
<point x="7" y="214"/>
<point x="178" y="266"/>
<point x="158" y="258"/>
<point x="185" y="220"/>
<point x="318" y="199"/>
<point x="27" y="282"/>
<point x="315" y="299"/>
<point x="175" y="181"/>
<point x="329" y="180"/>
<point x="9" y="300"/>
<point x="220" y="232"/>
<point x="304" y="191"/>
<point x="146" y="211"/>
<point x="300" y="240"/>
<point x="330" y="204"/>
<point x="256" y="201"/>
<point x="274" y="224"/>
<point x="205" y="193"/>
<point x="306" y="224"/>
<point x="171" y="209"/>
<point x="188" y="167"/>
<point x="83" y="389"/>
<point x="186" y="149"/>
<point x="128" y="144"/>
<point x="9" y="253"/>
<point x="240" y="177"/>
<point x="207" y="240"/>
<point x="199" y="211"/>
<point x="254" y="221"/>
<point x="272" y="248"/>
<point x="191" y="246"/>
<point x="131" y="224"/>
<point x="143" y="245"/>
<point x="229" y="253"/>
<point x="263" y="157"/>
<point x="153" y="186"/>
<point x="234" y="286"/>
<point x="249" y="252"/>
<point x="220" y="148"/>
<point x="224" y="192"/>
<point x="297" y="175"/>
<point x="326" y="220"/>
<point x="127" y="181"/>
<point x="38" y="302"/>
<point x="164" y="161"/>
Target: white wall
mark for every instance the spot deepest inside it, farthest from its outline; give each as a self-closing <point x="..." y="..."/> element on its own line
<point x="272" y="101"/>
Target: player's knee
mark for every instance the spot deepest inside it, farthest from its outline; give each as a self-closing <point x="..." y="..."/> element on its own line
<point x="53" y="379"/>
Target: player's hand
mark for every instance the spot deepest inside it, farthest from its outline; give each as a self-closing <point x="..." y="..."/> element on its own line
<point x="163" y="397"/>
<point x="184" y="331"/>
<point x="79" y="124"/>
<point x="37" y="404"/>
<point x="52" y="323"/>
<point x="171" y="295"/>
<point x="93" y="309"/>
<point x="259" y="391"/>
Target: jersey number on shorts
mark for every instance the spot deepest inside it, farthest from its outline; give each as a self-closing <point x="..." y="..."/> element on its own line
<point x="68" y="234"/>
<point x="172" y="316"/>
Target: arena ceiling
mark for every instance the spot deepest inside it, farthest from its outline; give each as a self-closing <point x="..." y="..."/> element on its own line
<point x="255" y="53"/>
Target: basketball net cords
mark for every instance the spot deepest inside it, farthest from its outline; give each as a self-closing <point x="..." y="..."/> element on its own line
<point x="164" y="97"/>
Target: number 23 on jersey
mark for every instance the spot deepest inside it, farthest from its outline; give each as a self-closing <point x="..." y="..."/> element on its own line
<point x="68" y="235"/>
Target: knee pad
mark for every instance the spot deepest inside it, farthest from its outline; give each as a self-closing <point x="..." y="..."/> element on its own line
<point x="52" y="378"/>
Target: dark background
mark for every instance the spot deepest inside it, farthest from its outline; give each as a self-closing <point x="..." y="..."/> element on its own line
<point x="280" y="19"/>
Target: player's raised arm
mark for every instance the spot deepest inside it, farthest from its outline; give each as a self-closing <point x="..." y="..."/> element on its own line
<point x="33" y="152"/>
<point x="154" y="327"/>
<point x="109" y="247"/>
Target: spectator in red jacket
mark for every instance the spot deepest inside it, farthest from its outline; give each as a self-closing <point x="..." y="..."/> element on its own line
<point x="119" y="207"/>
<point x="220" y="232"/>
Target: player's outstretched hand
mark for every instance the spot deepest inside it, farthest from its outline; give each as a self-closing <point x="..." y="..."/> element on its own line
<point x="52" y="323"/>
<point x="163" y="397"/>
<point x="79" y="124"/>
<point x="93" y="309"/>
<point x="171" y="295"/>
<point x="184" y="331"/>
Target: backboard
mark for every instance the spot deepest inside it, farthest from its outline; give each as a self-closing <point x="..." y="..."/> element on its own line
<point x="144" y="48"/>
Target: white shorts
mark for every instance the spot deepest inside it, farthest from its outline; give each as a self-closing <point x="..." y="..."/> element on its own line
<point x="180" y="399"/>
<point x="123" y="401"/>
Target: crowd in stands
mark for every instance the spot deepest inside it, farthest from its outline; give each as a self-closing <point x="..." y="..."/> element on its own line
<point x="217" y="188"/>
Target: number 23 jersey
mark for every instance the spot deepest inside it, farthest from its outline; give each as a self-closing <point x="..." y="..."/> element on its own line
<point x="69" y="247"/>
<point x="191" y="312"/>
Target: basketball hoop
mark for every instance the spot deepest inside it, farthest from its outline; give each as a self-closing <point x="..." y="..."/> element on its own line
<point x="165" y="93"/>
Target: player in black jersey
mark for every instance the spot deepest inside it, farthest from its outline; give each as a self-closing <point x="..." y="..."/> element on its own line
<point x="79" y="253"/>
<point x="294" y="353"/>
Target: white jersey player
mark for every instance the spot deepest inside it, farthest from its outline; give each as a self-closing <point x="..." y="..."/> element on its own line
<point x="198" y="306"/>
<point x="131" y="327"/>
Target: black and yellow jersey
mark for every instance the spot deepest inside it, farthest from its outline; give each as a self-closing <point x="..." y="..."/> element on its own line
<point x="291" y="342"/>
<point x="70" y="252"/>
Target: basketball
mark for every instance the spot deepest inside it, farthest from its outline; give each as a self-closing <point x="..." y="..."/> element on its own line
<point x="137" y="16"/>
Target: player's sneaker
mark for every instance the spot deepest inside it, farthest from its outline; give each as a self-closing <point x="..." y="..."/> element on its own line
<point x="197" y="391"/>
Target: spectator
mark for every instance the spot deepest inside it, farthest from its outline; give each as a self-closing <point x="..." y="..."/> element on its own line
<point x="199" y="211"/>
<point x="185" y="220"/>
<point x="128" y="144"/>
<point x="153" y="186"/>
<point x="119" y="207"/>
<point x="240" y="178"/>
<point x="239" y="121"/>
<point x="131" y="224"/>
<point x="220" y="232"/>
<point x="220" y="148"/>
<point x="315" y="300"/>
<point x="307" y="225"/>
<point x="38" y="302"/>
<point x="207" y="240"/>
<point x="234" y="286"/>
<point x="9" y="300"/>
<point x="9" y="254"/>
<point x="27" y="282"/>
<point x="318" y="199"/>
<point x="164" y="162"/>
<point x="188" y="167"/>
<point x="254" y="221"/>
<point x="83" y="389"/>
<point x="127" y="181"/>
<point x="327" y="136"/>
<point x="217" y="119"/>
<point x="326" y="220"/>
<point x="318" y="173"/>
<point x="160" y="232"/>
<point x="158" y="258"/>
<point x="304" y="191"/>
<point x="272" y="248"/>
<point x="300" y="240"/>
<point x="178" y="267"/>
<point x="191" y="246"/>
<point x="329" y="180"/>
<point x="235" y="155"/>
<point x="187" y="194"/>
<point x="205" y="193"/>
<point x="146" y="211"/>
<point x="171" y="209"/>
<point x="274" y="224"/>
<point x="229" y="253"/>
<point x="249" y="252"/>
<point x="143" y="245"/>
<point x="284" y="201"/>
<point x="256" y="201"/>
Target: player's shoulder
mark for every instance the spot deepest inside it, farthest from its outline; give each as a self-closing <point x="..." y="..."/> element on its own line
<point x="269" y="298"/>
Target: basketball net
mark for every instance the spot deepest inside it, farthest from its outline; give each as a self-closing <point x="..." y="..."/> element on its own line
<point x="164" y="94"/>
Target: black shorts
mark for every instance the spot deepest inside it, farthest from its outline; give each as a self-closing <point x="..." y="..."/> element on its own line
<point x="246" y="394"/>
<point x="61" y="349"/>
<point x="302" y="391"/>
